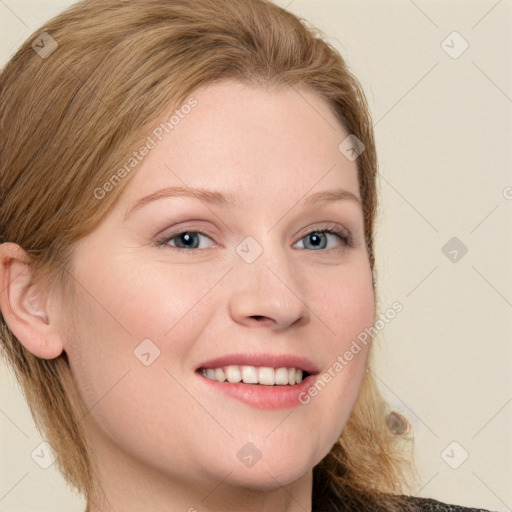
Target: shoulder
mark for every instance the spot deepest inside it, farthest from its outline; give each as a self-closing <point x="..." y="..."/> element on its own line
<point x="431" y="505"/>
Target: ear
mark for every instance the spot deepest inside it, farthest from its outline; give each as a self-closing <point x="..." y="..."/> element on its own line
<point x="24" y="306"/>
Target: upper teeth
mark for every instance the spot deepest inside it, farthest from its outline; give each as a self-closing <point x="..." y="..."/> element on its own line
<point x="254" y="375"/>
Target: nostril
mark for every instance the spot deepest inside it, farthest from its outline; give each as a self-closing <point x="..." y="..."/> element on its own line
<point x="258" y="317"/>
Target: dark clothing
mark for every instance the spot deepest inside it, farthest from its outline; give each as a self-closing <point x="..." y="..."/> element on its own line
<point x="430" y="505"/>
<point x="325" y="500"/>
<point x="419" y="504"/>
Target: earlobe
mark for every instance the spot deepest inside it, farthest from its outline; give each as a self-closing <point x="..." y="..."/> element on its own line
<point x="25" y="306"/>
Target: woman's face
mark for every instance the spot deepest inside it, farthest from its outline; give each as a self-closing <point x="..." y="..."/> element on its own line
<point x="165" y="288"/>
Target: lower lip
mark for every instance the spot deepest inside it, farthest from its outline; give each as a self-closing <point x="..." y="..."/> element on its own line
<point x="264" y="397"/>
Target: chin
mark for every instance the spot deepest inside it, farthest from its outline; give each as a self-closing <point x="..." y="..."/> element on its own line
<point x="269" y="477"/>
<point x="266" y="470"/>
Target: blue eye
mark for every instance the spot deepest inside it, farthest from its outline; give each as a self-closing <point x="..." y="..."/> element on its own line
<point x="318" y="239"/>
<point x="184" y="240"/>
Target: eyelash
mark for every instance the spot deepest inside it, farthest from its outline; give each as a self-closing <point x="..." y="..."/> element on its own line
<point x="344" y="236"/>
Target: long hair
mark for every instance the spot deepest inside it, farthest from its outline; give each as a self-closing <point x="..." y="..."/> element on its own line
<point x="79" y="96"/>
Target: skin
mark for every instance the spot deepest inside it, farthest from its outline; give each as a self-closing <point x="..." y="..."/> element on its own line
<point x="163" y="439"/>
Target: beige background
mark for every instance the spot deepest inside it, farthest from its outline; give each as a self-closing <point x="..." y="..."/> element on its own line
<point x="443" y="128"/>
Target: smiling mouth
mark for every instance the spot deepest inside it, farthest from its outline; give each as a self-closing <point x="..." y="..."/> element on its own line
<point x="260" y="375"/>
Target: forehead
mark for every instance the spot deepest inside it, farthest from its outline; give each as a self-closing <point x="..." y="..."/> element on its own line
<point x="248" y="142"/>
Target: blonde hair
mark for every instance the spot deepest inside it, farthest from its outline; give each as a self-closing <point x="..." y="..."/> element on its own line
<point x="70" y="117"/>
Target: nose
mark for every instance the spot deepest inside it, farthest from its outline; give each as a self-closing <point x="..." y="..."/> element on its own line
<point x="266" y="292"/>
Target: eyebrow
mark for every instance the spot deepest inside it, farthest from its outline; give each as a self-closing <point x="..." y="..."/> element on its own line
<point x="229" y="201"/>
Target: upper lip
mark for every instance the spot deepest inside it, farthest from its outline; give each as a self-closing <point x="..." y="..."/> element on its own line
<point x="267" y="360"/>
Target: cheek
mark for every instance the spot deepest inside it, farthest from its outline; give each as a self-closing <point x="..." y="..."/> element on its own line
<point x="121" y="308"/>
<point x="126" y="354"/>
<point x="346" y="307"/>
<point x="346" y="303"/>
<point x="128" y="330"/>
